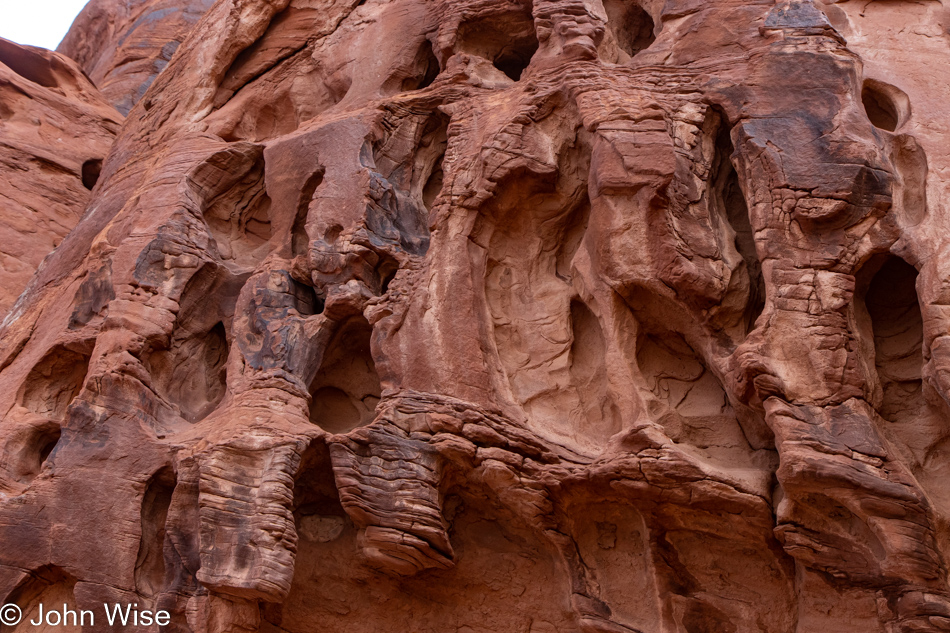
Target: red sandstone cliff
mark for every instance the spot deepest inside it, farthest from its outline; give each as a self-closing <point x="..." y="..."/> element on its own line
<point x="481" y="316"/>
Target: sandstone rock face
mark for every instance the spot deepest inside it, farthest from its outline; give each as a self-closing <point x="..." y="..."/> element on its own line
<point x="570" y="316"/>
<point x="122" y="45"/>
<point x="55" y="130"/>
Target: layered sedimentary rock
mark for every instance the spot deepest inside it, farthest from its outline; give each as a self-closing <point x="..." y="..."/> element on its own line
<point x="572" y="316"/>
<point x="55" y="130"/>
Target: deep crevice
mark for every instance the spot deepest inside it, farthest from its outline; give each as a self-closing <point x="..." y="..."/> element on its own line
<point x="318" y="513"/>
<point x="386" y="270"/>
<point x="433" y="184"/>
<point x="731" y="201"/>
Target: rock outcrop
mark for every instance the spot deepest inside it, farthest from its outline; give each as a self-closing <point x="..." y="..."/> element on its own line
<point x="122" y="45"/>
<point x="576" y="316"/>
<point x="55" y="131"/>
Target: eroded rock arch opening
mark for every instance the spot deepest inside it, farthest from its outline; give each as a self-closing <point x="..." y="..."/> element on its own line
<point x="318" y="514"/>
<point x="346" y="389"/>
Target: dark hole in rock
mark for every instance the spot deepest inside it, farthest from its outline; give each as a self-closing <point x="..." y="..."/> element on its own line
<point x="631" y="26"/>
<point x="897" y="325"/>
<point x="508" y="40"/>
<point x="318" y="514"/>
<point x="32" y="447"/>
<point x="47" y="442"/>
<point x="433" y="184"/>
<point x="425" y="69"/>
<point x="387" y="272"/>
<point x="730" y="200"/>
<point x="880" y="108"/>
<point x="90" y="172"/>
<point x="513" y="62"/>
<point x="346" y="389"/>
<point x="150" y="562"/>
<point x="306" y="300"/>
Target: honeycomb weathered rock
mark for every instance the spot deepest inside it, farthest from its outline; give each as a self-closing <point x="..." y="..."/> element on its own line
<point x="482" y="316"/>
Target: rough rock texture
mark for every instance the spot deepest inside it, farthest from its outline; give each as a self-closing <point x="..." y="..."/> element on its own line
<point x="55" y="130"/>
<point x="122" y="45"/>
<point x="482" y="316"/>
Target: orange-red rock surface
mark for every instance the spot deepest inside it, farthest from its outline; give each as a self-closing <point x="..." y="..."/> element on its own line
<point x="572" y="316"/>
<point x="122" y="45"/>
<point x="55" y="130"/>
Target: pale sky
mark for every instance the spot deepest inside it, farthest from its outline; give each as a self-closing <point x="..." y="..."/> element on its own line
<point x="37" y="22"/>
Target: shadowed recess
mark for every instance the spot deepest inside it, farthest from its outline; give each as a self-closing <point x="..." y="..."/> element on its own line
<point x="150" y="562"/>
<point x="346" y="389"/>
<point x="630" y="25"/>
<point x="507" y="40"/>
<point x="896" y="321"/>
<point x="90" y="172"/>
<point x="887" y="106"/>
<point x="53" y="383"/>
<point x="729" y="198"/>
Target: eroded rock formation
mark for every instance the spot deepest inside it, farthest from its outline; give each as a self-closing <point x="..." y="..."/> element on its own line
<point x="479" y="316"/>
<point x="55" y="131"/>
